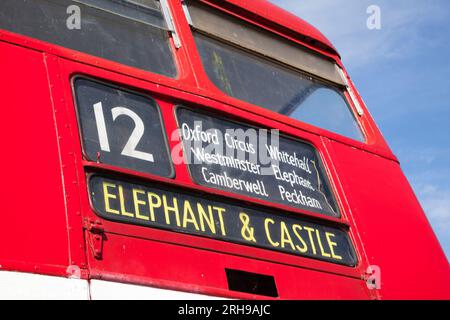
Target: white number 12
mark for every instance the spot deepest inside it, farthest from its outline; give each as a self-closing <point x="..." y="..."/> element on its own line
<point x="136" y="136"/>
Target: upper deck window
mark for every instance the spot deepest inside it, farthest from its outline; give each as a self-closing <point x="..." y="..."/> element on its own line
<point x="131" y="32"/>
<point x="255" y="66"/>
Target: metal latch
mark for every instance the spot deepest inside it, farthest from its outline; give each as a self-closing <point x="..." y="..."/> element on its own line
<point x="170" y="24"/>
<point x="355" y="101"/>
<point x="186" y="12"/>
<point x="95" y="235"/>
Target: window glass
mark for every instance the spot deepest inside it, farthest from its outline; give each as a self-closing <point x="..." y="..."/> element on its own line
<point x="248" y="77"/>
<point x="326" y="108"/>
<point x="131" y="32"/>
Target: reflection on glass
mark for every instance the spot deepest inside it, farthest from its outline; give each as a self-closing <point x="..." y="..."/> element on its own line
<point x="326" y="108"/>
<point x="132" y="33"/>
<point x="256" y="80"/>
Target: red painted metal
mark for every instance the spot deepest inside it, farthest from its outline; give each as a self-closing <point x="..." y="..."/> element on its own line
<point x="279" y="20"/>
<point x="34" y="228"/>
<point x="48" y="224"/>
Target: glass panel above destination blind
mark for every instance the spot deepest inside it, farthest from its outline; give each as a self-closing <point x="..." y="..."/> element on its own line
<point x="277" y="88"/>
<point x="130" y="32"/>
<point x="254" y="65"/>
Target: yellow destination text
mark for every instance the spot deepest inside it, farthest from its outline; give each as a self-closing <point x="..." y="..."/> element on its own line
<point x="181" y="212"/>
<point x="163" y="209"/>
<point x="301" y="238"/>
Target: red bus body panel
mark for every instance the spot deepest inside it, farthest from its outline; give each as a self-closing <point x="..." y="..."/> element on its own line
<point x="46" y="212"/>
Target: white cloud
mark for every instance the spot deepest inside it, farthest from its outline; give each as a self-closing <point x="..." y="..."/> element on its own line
<point x="409" y="28"/>
<point x="430" y="181"/>
<point x="344" y="23"/>
<point x="436" y="204"/>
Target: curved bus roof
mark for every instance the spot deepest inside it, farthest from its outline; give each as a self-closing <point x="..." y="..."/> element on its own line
<point x="289" y="23"/>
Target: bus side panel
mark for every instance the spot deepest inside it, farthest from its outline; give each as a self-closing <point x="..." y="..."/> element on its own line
<point x="33" y="232"/>
<point x="158" y="264"/>
<point x="394" y="230"/>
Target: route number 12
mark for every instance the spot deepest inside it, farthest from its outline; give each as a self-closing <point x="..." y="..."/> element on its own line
<point x="122" y="128"/>
<point x="138" y="131"/>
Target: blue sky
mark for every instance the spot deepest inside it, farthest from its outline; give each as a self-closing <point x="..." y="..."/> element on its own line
<point x="402" y="71"/>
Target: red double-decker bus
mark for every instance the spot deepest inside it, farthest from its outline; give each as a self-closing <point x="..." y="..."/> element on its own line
<point x="166" y="149"/>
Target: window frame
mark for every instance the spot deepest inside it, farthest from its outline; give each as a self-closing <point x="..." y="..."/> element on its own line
<point x="122" y="88"/>
<point x="171" y="42"/>
<point x="254" y="39"/>
<point x="340" y="84"/>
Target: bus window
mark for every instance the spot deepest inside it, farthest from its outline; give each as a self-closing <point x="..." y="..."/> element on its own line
<point x="325" y="107"/>
<point x="133" y="33"/>
<point x="233" y="67"/>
